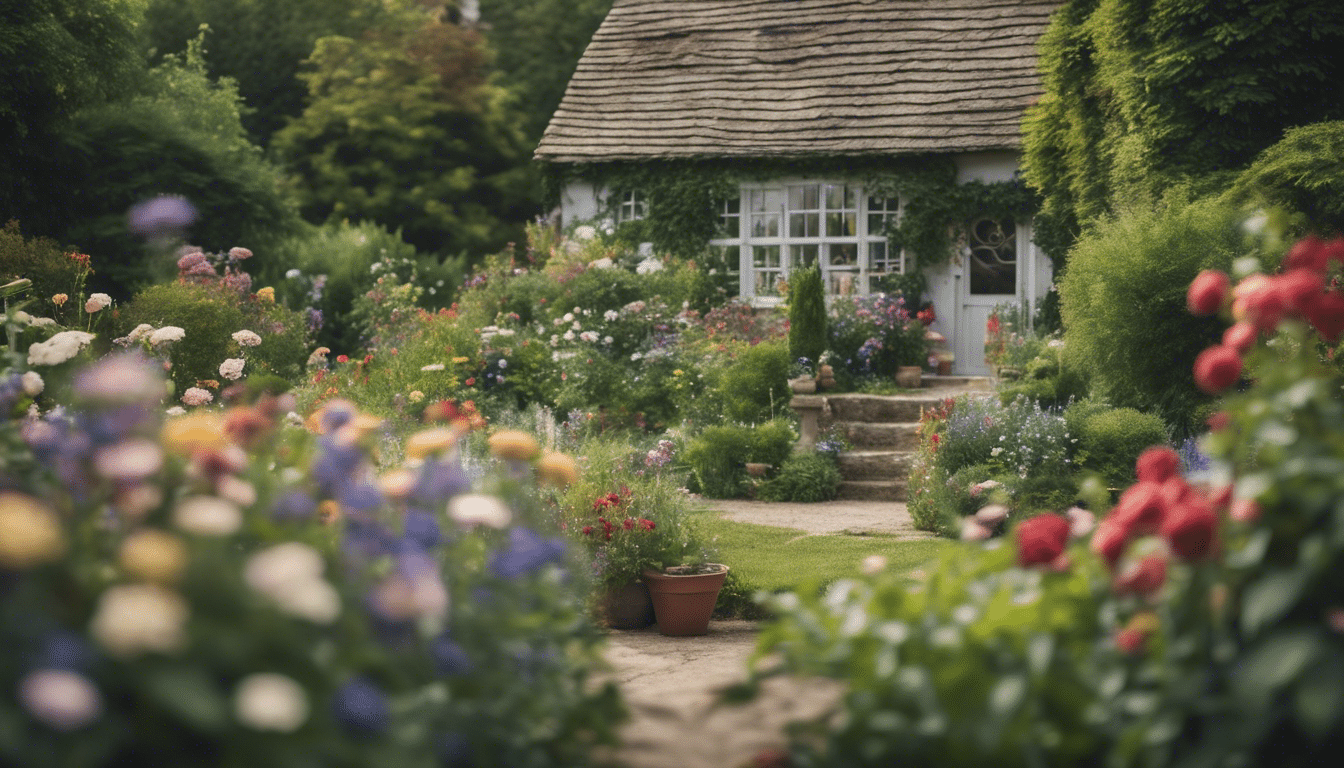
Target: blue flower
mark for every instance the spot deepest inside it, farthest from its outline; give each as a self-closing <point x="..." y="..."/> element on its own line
<point x="449" y="657"/>
<point x="440" y="480"/>
<point x="360" y="706"/>
<point x="421" y="530"/>
<point x="294" y="506"/>
<point x="526" y="552"/>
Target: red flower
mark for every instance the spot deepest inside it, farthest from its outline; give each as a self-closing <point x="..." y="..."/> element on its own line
<point x="1207" y="292"/>
<point x="1041" y="539"/>
<point x="1218" y="421"/>
<point x="1325" y="312"/>
<point x="1240" y="336"/>
<point x="1308" y="253"/>
<point x="1141" y="509"/>
<point x="1109" y="541"/>
<point x="1217" y="368"/>
<point x="1299" y="289"/>
<point x="587" y="530"/>
<point x="1143" y="578"/>
<point x="1244" y="510"/>
<point x="628" y="524"/>
<point x="1190" y="529"/>
<point x="342" y="358"/>
<point x="471" y="381"/>
<point x="647" y="525"/>
<point x="1134" y="636"/>
<point x="1259" y="300"/>
<point x="1157" y="464"/>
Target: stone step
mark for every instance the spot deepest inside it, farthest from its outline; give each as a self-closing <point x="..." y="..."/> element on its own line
<point x="877" y="408"/>
<point x="872" y="490"/>
<point x="874" y="465"/>
<point x="960" y="383"/>
<point x="879" y="436"/>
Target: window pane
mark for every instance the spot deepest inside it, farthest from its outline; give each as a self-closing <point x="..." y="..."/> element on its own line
<point x="757" y="199"/>
<point x="802" y="255"/>
<point x="844" y="254"/>
<point x="842" y="283"/>
<point x="877" y="256"/>
<point x="841" y="225"/>
<point x="804" y="225"/>
<point x="765" y="256"/>
<point x="993" y="261"/>
<point x="805" y="198"/>
<point x="841" y="197"/>
<point x="766" y="282"/>
<point x="765" y="225"/>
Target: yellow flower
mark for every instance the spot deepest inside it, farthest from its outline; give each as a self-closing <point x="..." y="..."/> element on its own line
<point x="557" y="469"/>
<point x="153" y="556"/>
<point x="198" y="431"/>
<point x="461" y="360"/>
<point x="433" y="440"/>
<point x="678" y="372"/>
<point x="267" y="295"/>
<point x="415" y="396"/>
<point x="30" y="534"/>
<point x="513" y="444"/>
<point x="60" y="299"/>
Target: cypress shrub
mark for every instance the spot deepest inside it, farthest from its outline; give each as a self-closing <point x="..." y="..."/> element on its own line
<point x="807" y="315"/>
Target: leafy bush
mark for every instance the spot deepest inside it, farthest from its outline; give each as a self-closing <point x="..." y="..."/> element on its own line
<point x="1050" y="379"/>
<point x="52" y="269"/>
<point x="1303" y="173"/>
<point x="747" y="383"/>
<point x="718" y="456"/>
<point x="807" y="314"/>
<point x="1109" y="442"/>
<point x="806" y="477"/>
<point x="1123" y="303"/>
<point x="874" y="335"/>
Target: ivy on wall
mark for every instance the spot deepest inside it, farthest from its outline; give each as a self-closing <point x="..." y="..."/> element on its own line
<point x="684" y="196"/>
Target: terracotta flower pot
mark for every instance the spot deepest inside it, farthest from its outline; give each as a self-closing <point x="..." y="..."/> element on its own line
<point x="683" y="603"/>
<point x="626" y="607"/>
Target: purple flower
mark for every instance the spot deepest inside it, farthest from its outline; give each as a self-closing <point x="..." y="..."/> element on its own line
<point x="526" y="552"/>
<point x="440" y="480"/>
<point x="295" y="506"/>
<point x="421" y="530"/>
<point x="450" y="659"/>
<point x="161" y="216"/>
<point x="360" y="497"/>
<point x="361" y="707"/>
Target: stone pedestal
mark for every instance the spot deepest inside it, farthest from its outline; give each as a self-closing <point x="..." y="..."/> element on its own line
<point x="809" y="409"/>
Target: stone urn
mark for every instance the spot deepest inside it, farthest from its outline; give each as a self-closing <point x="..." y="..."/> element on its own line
<point x="825" y="377"/>
<point x="803" y="385"/>
<point x="684" y="597"/>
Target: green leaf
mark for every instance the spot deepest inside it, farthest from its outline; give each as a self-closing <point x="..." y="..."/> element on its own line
<point x="191" y="696"/>
<point x="1268" y="599"/>
<point x="1250" y="554"/>
<point x="1273" y="663"/>
<point x="1319" y="698"/>
<point x="1007" y="695"/>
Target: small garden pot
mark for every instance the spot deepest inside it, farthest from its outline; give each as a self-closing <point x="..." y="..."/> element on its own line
<point x="626" y="607"/>
<point x="825" y="377"/>
<point x="684" y="597"/>
<point x="909" y="376"/>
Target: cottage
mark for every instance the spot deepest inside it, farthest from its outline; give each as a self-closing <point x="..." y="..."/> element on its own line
<point x="878" y="139"/>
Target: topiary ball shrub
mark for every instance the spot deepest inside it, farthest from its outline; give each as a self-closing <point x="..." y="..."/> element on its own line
<point x="1123" y="300"/>
<point x="1110" y="441"/>
<point x="804" y="477"/>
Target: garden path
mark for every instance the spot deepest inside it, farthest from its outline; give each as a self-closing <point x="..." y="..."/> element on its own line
<point x="670" y="683"/>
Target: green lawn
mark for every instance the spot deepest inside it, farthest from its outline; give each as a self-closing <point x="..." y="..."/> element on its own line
<point x="774" y="559"/>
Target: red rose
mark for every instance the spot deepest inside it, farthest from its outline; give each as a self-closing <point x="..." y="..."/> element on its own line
<point x="1131" y="641"/>
<point x="1190" y="530"/>
<point x="1109" y="540"/>
<point x="1143" y="578"/>
<point x="1217" y="368"/>
<point x="1325" y="312"/>
<point x="647" y="525"/>
<point x="1041" y="539"/>
<point x="1207" y="292"/>
<point x="587" y="530"/>
<point x="628" y="524"/>
<point x="1299" y="288"/>
<point x="1260" y="301"/>
<point x="1140" y="510"/>
<point x="1157" y="464"/>
<point x="1307" y="253"/>
<point x="1334" y="250"/>
<point x="1240" y="336"/>
<point x="1218" y="421"/>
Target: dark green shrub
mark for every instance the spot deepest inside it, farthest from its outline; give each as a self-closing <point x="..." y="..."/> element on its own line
<point x="804" y="477"/>
<point x="43" y="261"/>
<point x="1123" y="303"/>
<point x="718" y="457"/>
<point x="1050" y="379"/>
<point x="1303" y="173"/>
<point x="1110" y="441"/>
<point x="807" y="314"/>
<point x="753" y="387"/>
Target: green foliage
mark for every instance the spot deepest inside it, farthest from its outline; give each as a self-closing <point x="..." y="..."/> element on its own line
<point x="807" y="314"/>
<point x="1141" y="95"/>
<point x="259" y="45"/>
<point x="1123" y="303"/>
<point x="538" y="45"/>
<point x="404" y="128"/>
<point x="43" y="261"/>
<point x="1303" y="173"/>
<point x="1109" y="442"/>
<point x="743" y="382"/>
<point x="1050" y="378"/>
<point x="875" y="335"/>
<point x="718" y="456"/>
<point x="804" y="477"/>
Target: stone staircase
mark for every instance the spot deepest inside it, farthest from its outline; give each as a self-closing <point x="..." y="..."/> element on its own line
<point x="884" y="433"/>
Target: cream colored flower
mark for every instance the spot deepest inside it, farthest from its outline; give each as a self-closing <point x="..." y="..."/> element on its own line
<point x="63" y="700"/>
<point x="479" y="509"/>
<point x="166" y="335"/>
<point x="129" y="460"/>
<point x="32" y="383"/>
<point x="141" y="331"/>
<point x="431" y="441"/>
<point x="30" y="533"/>
<point x="232" y="368"/>
<point x="513" y="444"/>
<point x="59" y="348"/>
<point x="153" y="555"/>
<point x="873" y="565"/>
<point x="290" y="575"/>
<point x="132" y="619"/>
<point x="96" y="302"/>
<point x="267" y="701"/>
<point x="246" y="338"/>
<point x="207" y="516"/>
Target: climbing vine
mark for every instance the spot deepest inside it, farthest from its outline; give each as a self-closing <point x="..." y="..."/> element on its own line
<point x="684" y="195"/>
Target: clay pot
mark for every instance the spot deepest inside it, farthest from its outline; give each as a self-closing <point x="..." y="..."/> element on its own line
<point x="825" y="377"/>
<point x="683" y="603"/>
<point x="944" y="367"/>
<point x="626" y="607"/>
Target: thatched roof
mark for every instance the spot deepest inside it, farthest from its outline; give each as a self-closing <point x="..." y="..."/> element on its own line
<point x="760" y="78"/>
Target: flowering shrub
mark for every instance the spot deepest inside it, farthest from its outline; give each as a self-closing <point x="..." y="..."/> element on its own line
<point x="874" y="335"/>
<point x="226" y="587"/>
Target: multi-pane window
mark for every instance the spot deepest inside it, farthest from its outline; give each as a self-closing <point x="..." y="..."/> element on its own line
<point x="787" y="226"/>
<point x="629" y="206"/>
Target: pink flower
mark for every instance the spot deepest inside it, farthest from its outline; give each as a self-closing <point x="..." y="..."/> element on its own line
<point x="1109" y="540"/>
<point x="1207" y="292"/>
<point x="197" y="396"/>
<point x="1140" y="510"/>
<point x="1041" y="539"/>
<point x="1217" y="368"/>
<point x="1191" y="530"/>
<point x="1157" y="464"/>
<point x="1244" y="510"/>
<point x="1142" y="578"/>
<point x="1240" y="336"/>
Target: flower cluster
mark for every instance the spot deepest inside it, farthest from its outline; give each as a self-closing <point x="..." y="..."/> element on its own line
<point x="875" y="334"/>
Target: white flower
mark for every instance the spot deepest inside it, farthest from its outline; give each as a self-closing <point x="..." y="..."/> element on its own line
<point x="569" y="336"/>
<point x="60" y="699"/>
<point x="237" y="490"/>
<point x="246" y="338"/>
<point x="603" y="263"/>
<point x="141" y="331"/>
<point x="569" y="317"/>
<point x="503" y="363"/>
<point x="314" y="600"/>
<point x="134" y="618"/>
<point x="636" y="357"/>
<point x="267" y="701"/>
<point x="479" y="509"/>
<point x="584" y="232"/>
<point x="589" y="336"/>
<point x="58" y="348"/>
<point x="96" y="302"/>
<point x="41" y="322"/>
<point x="207" y="516"/>
<point x="873" y="565"/>
<point x="293" y="273"/>
<point x="129" y="460"/>
<point x="611" y="314"/>
<point x="432" y="367"/>
<point x="176" y="410"/>
<point x="290" y="574"/>
<point x="32" y="383"/>
<point x="232" y="368"/>
<point x="166" y="335"/>
<point x="197" y="396"/>
<point x="607" y="340"/>
<point x="576" y="326"/>
<point x="649" y="266"/>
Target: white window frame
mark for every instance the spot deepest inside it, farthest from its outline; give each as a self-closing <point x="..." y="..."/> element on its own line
<point x="768" y="216"/>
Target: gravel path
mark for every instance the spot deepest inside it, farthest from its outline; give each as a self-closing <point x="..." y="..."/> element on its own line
<point x="855" y="518"/>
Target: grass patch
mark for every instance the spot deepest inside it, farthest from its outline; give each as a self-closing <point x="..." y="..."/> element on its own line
<point x="771" y="559"/>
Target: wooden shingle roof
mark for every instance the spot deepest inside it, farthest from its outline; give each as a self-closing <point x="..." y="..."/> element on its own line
<point x="666" y="79"/>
